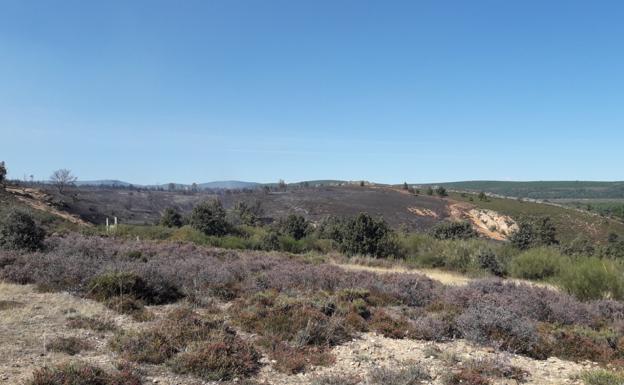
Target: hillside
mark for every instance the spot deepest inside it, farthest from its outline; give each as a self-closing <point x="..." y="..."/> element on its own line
<point x="398" y="207"/>
<point x="544" y="189"/>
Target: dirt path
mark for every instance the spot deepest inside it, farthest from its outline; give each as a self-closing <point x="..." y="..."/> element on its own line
<point x="445" y="277"/>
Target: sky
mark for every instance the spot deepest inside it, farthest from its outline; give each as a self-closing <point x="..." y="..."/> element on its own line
<point x="150" y="91"/>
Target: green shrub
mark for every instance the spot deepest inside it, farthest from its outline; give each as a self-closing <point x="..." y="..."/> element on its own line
<point x="295" y="226"/>
<point x="538" y="263"/>
<point x="171" y="218"/>
<point x="113" y="284"/>
<point x="365" y="235"/>
<point x="533" y="233"/>
<point x="593" y="278"/>
<point x="602" y="377"/>
<point x="18" y="230"/>
<point x="453" y="230"/>
<point x="248" y="214"/>
<point x="127" y="284"/>
<point x="210" y="218"/>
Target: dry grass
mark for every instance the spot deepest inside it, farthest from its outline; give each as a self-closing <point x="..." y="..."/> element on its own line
<point x="26" y="330"/>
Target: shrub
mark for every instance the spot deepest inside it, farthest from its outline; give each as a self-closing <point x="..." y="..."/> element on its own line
<point x="390" y="327"/>
<point x="534" y="232"/>
<point x="95" y="324"/>
<point x="210" y="218"/>
<point x="602" y="377"/>
<point x="298" y="321"/>
<point x="592" y="278"/>
<point x="169" y="336"/>
<point x="411" y="374"/>
<point x="83" y="374"/>
<point x="295" y="226"/>
<point x="368" y="236"/>
<point x="171" y="218"/>
<point x="249" y="214"/>
<point x="493" y="325"/>
<point x="337" y="379"/>
<point x="538" y="263"/>
<point x="130" y="306"/>
<point x="115" y="284"/>
<point x="488" y="261"/>
<point x="19" y="231"/>
<point x="219" y="360"/>
<point x="453" y="230"/>
<point x="292" y="360"/>
<point x="68" y="345"/>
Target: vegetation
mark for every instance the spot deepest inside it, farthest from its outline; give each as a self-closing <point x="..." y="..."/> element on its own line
<point x="68" y="345"/>
<point x="453" y="230"/>
<point x="209" y="218"/>
<point x="171" y="218"/>
<point x="83" y="374"/>
<point x="19" y="231"/>
<point x="62" y="178"/>
<point x="3" y="173"/>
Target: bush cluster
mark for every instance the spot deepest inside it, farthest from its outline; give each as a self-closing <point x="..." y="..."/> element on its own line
<point x="19" y="231"/>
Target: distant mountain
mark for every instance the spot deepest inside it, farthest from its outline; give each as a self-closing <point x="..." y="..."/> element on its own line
<point x="229" y="184"/>
<point x="103" y="182"/>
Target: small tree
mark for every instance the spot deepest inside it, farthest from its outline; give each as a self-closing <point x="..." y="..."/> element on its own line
<point x="295" y="225"/>
<point x="405" y="186"/>
<point x="429" y="191"/>
<point x="3" y="173"/>
<point x="532" y="233"/>
<point x="171" y="218"/>
<point x="366" y="235"/>
<point x="361" y="183"/>
<point x="249" y="214"/>
<point x="441" y="191"/>
<point x="63" y="178"/>
<point x="19" y="231"/>
<point x="482" y="196"/>
<point x="209" y="218"/>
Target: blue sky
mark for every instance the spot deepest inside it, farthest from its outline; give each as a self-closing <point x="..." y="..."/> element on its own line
<point x="423" y="91"/>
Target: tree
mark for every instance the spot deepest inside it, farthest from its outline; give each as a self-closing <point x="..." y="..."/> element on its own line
<point x="536" y="232"/>
<point x="62" y="178"/>
<point x="281" y="184"/>
<point x="171" y="186"/>
<point x="361" y="183"/>
<point x="18" y="230"/>
<point x="3" y="173"/>
<point x="249" y="214"/>
<point x="171" y="218"/>
<point x="441" y="191"/>
<point x="209" y="218"/>
<point x="405" y="186"/>
<point x="482" y="196"/>
<point x="295" y="225"/>
<point x="429" y="191"/>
